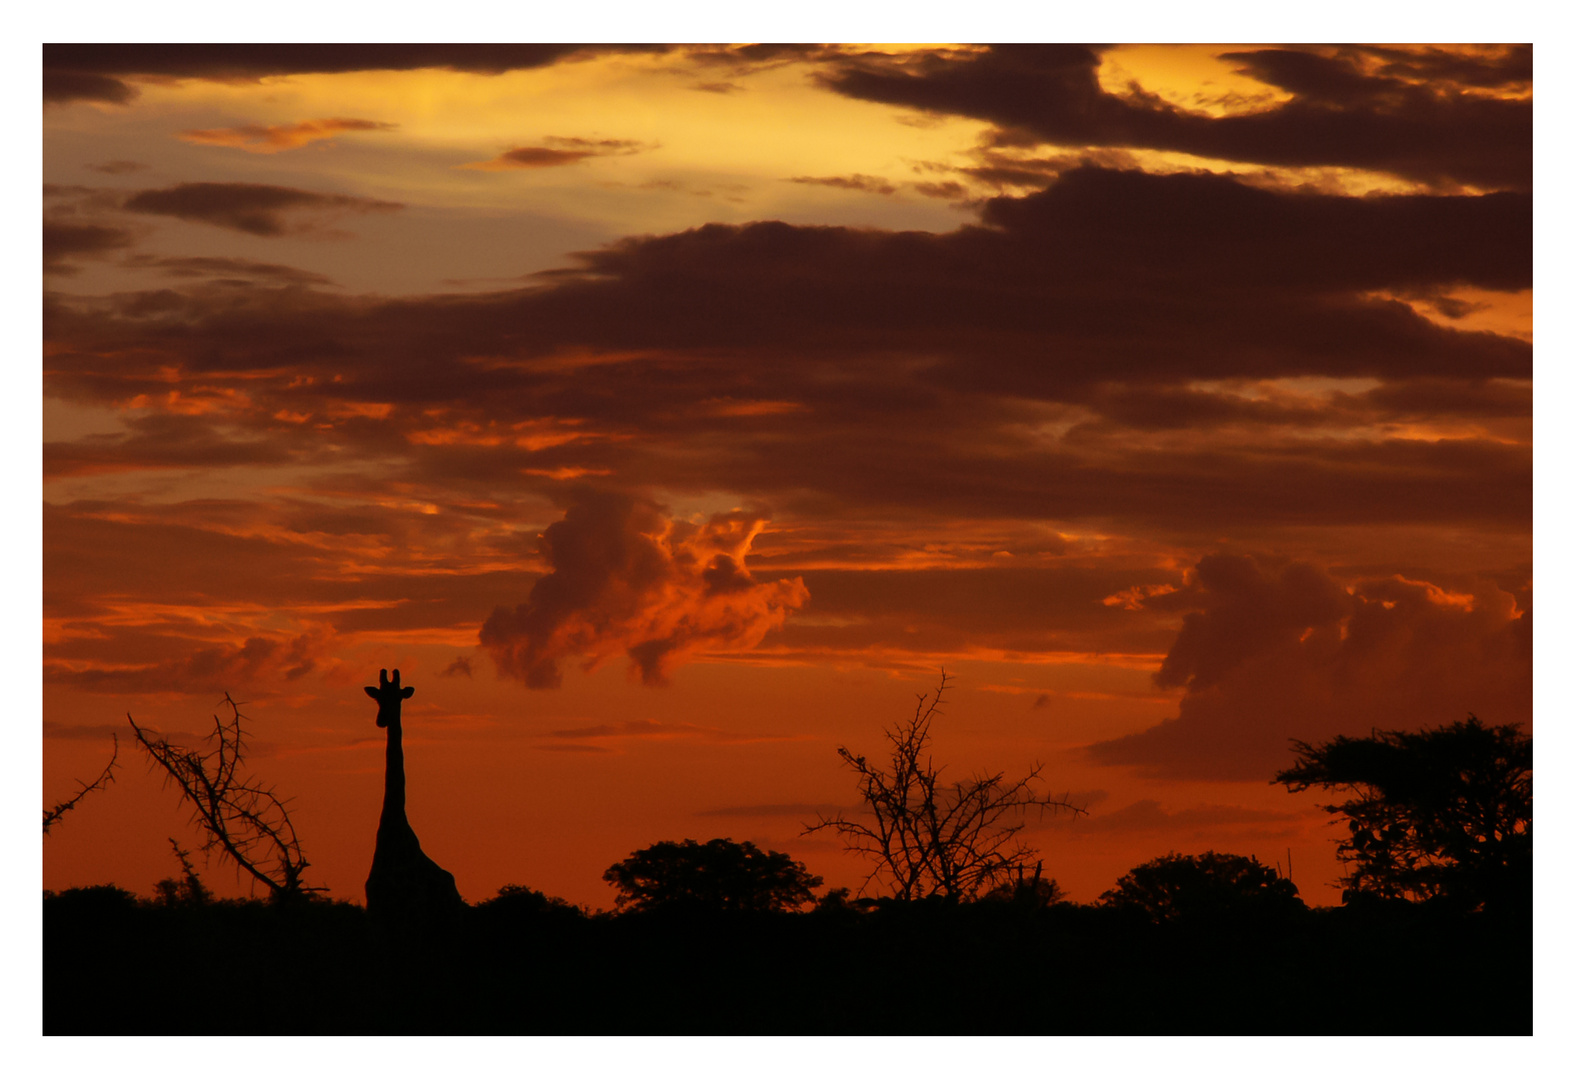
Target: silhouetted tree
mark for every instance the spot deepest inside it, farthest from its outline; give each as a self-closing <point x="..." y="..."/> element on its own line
<point x="1444" y="812"/>
<point x="241" y="819"/>
<point x="104" y="780"/>
<point x="931" y="839"/>
<point x="1176" y="887"/>
<point x="719" y="874"/>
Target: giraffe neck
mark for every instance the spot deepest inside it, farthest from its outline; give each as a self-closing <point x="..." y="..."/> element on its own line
<point x="394" y="779"/>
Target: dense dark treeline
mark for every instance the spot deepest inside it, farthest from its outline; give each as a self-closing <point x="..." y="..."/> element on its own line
<point x="522" y="964"/>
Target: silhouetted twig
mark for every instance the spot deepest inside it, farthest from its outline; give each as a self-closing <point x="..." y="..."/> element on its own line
<point x="105" y="778"/>
<point x="929" y="839"/>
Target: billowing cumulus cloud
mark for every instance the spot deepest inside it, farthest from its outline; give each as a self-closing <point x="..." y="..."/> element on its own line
<point x="627" y="578"/>
<point x="258" y="209"/>
<point x="272" y="138"/>
<point x="1267" y="655"/>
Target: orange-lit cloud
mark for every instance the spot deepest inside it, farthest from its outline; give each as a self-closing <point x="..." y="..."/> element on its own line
<point x="626" y="578"/>
<point x="272" y="138"/>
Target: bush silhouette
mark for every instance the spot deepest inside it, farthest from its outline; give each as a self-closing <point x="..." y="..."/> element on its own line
<point x="717" y="875"/>
<point x="1208" y="886"/>
<point x="519" y="904"/>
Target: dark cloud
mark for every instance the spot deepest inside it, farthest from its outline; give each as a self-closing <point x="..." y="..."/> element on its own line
<point x="558" y="151"/>
<point x="1236" y="233"/>
<point x="1049" y="364"/>
<point x="626" y="578"/>
<point x="117" y="167"/>
<point x="65" y="241"/>
<point x="1270" y="655"/>
<point x="854" y="182"/>
<point x="296" y="553"/>
<point x="255" y="666"/>
<point x="258" y="209"/>
<point x="64" y="86"/>
<point x="230" y="270"/>
<point x="1503" y="67"/>
<point x="945" y="189"/>
<point x="159" y="440"/>
<point x="460" y="665"/>
<point x="1401" y="115"/>
<point x="96" y="72"/>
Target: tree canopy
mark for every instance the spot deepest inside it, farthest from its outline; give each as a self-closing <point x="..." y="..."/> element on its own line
<point x="717" y="875"/>
<point x="1445" y="812"/>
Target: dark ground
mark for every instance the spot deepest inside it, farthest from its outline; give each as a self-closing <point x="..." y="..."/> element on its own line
<point x="116" y="965"/>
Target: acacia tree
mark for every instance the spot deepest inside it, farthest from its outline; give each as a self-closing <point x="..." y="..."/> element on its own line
<point x="718" y="875"/>
<point x="1444" y="812"/>
<point x="927" y="838"/>
<point x="241" y="819"/>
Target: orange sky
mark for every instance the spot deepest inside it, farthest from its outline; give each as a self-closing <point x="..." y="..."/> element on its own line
<point x="673" y="417"/>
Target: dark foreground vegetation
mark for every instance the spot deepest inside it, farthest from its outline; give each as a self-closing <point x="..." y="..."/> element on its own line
<point x="524" y="964"/>
<point x="1434" y="935"/>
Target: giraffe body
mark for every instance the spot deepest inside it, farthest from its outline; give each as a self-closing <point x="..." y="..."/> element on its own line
<point x="405" y="886"/>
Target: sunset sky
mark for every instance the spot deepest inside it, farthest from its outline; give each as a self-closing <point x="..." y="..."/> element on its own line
<point x="671" y="416"/>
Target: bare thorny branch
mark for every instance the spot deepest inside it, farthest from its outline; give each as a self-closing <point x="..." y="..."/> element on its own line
<point x="927" y="838"/>
<point x="242" y="819"/>
<point x="104" y="780"/>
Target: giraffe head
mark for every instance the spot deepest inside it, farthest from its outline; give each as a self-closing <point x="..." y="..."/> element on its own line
<point x="388" y="694"/>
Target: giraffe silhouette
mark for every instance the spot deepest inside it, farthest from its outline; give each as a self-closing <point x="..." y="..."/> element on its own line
<point x="405" y="886"/>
